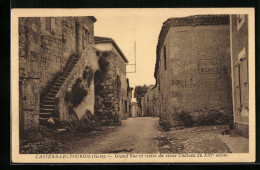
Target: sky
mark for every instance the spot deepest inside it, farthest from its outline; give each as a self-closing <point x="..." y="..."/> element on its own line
<point x="142" y="28"/>
<point x="126" y="30"/>
<point x="127" y="26"/>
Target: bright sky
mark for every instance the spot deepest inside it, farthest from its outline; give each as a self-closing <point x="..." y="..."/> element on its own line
<point x="126" y="26"/>
<point x="142" y="29"/>
<point x="125" y="31"/>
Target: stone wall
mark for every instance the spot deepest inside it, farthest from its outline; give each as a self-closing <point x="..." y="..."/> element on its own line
<point x="111" y="88"/>
<point x="152" y="103"/>
<point x="240" y="82"/>
<point x="196" y="72"/>
<point x="45" y="46"/>
<point x="88" y="60"/>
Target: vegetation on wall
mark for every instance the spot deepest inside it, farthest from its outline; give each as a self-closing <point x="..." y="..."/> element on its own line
<point x="77" y="93"/>
<point x="205" y="117"/>
<point x="186" y="118"/>
<point x="103" y="61"/>
<point x="103" y="65"/>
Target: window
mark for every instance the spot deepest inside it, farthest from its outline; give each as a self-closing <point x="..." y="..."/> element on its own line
<point x="241" y="81"/>
<point x="164" y="54"/>
<point x="243" y="77"/>
<point x="85" y="38"/>
<point x="53" y="24"/>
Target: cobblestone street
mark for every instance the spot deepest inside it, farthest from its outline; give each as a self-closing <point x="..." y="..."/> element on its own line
<point x="143" y="135"/>
<point x="204" y="139"/>
<point x="135" y="135"/>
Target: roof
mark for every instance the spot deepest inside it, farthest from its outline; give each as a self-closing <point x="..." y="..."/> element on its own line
<point x="110" y="40"/>
<point x="195" y="20"/>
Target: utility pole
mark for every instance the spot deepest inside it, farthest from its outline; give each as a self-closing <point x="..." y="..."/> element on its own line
<point x="135" y="59"/>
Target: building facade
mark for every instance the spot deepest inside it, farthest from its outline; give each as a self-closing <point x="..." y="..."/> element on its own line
<point x="134" y="110"/>
<point x="193" y="65"/>
<point x="239" y="65"/>
<point x="53" y="52"/>
<point x="150" y="102"/>
<point x="111" y="86"/>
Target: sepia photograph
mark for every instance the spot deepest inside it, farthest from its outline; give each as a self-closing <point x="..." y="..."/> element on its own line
<point x="133" y="85"/>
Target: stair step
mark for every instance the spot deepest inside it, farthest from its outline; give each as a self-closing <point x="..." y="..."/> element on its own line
<point x="43" y="121"/>
<point x="57" y="86"/>
<point x="47" y="110"/>
<point x="49" y="102"/>
<point x="50" y="98"/>
<point x="62" y="79"/>
<point x="58" y="83"/>
<point x="46" y="118"/>
<point x="51" y="95"/>
<point x="54" y="91"/>
<point x="45" y="115"/>
<point x="48" y="106"/>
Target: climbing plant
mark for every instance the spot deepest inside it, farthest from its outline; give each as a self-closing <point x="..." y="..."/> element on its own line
<point x="77" y="93"/>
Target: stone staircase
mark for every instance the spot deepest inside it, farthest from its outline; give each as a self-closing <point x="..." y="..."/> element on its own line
<point x="48" y="104"/>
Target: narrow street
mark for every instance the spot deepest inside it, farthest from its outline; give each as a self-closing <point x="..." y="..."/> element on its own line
<point x="135" y="135"/>
<point x="143" y="135"/>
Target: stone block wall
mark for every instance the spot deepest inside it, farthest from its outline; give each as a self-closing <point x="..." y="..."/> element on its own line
<point x="87" y="60"/>
<point x="196" y="72"/>
<point x="239" y="65"/>
<point x="111" y="88"/>
<point x="152" y="103"/>
<point x="45" y="46"/>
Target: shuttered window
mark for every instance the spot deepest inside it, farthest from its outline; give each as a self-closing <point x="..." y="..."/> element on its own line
<point x="244" y="83"/>
<point x="237" y="86"/>
<point x="241" y="81"/>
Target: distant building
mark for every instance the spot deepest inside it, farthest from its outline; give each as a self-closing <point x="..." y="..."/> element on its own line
<point x="239" y="65"/>
<point x="134" y="110"/>
<point x="129" y="98"/>
<point x="151" y="102"/>
<point x="143" y="107"/>
<point x="53" y="53"/>
<point x="193" y="65"/>
<point x="111" y="86"/>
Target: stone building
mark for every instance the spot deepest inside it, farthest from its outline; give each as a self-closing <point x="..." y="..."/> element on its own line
<point x="112" y="89"/>
<point x="53" y="54"/>
<point x="150" y="102"/>
<point x="143" y="107"/>
<point x="129" y="98"/>
<point x="239" y="66"/>
<point x="134" y="110"/>
<point x="193" y="65"/>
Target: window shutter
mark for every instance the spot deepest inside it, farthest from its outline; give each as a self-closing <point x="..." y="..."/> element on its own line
<point x="244" y="82"/>
<point x="237" y="86"/>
